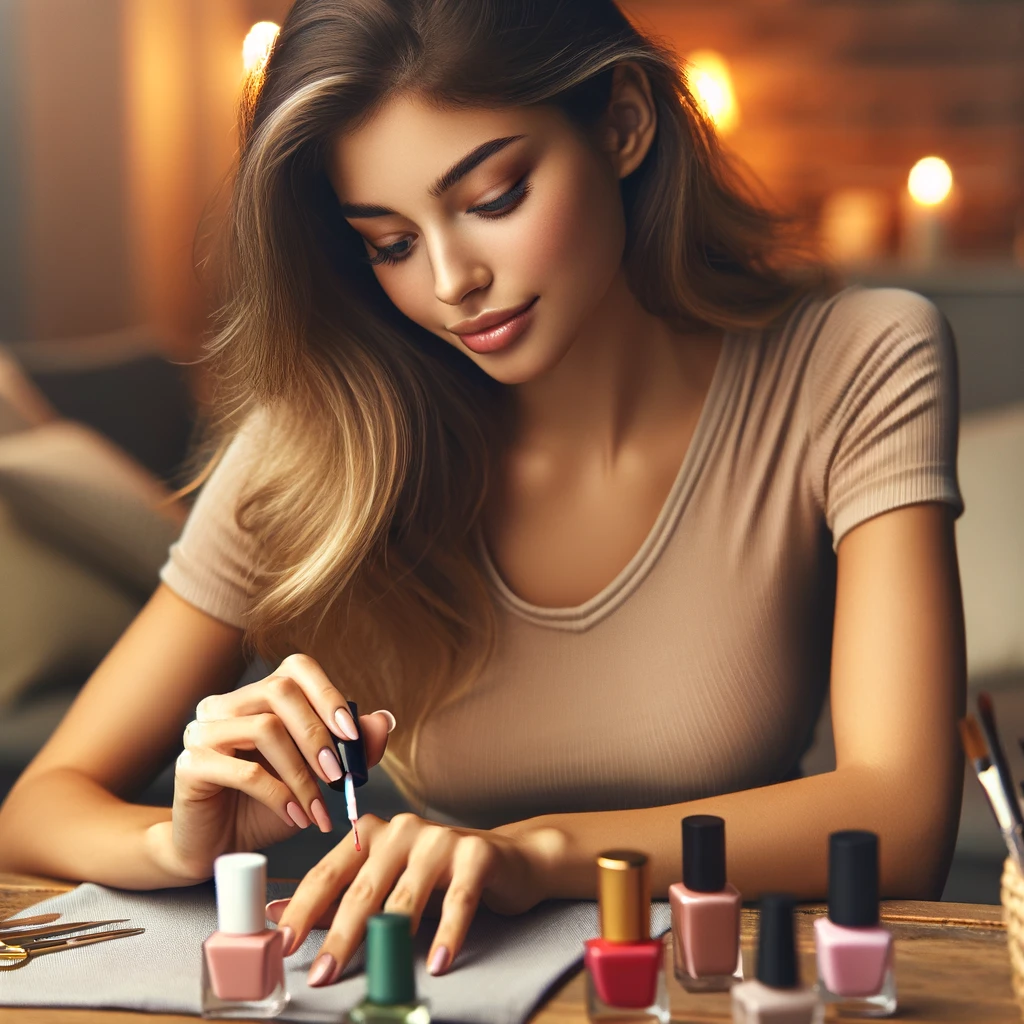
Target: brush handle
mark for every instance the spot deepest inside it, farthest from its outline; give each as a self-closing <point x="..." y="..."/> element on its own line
<point x="988" y="724"/>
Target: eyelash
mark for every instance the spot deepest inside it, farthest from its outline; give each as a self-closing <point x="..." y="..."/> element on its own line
<point x="509" y="203"/>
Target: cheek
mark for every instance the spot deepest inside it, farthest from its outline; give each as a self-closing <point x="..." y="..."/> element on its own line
<point x="575" y="238"/>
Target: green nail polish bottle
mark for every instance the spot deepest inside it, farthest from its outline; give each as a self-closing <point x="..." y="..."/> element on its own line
<point x="390" y="981"/>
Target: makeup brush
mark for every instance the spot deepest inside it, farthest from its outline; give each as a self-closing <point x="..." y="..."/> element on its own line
<point x="977" y="753"/>
<point x="986" y="712"/>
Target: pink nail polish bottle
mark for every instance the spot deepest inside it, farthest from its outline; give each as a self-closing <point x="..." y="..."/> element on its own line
<point x="243" y="961"/>
<point x="705" y="911"/>
<point x="854" y="951"/>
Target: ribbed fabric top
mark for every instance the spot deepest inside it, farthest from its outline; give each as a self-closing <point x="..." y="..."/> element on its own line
<point x="701" y="668"/>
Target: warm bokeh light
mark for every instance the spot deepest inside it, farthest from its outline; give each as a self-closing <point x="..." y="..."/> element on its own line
<point x="930" y="181"/>
<point x="708" y="77"/>
<point x="256" y="48"/>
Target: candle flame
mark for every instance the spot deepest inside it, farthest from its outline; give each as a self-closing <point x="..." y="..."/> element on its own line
<point x="930" y="181"/>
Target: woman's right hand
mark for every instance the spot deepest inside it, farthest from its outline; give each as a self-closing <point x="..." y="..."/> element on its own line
<point x="248" y="774"/>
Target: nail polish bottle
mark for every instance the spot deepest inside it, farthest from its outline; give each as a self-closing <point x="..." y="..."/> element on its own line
<point x="705" y="911"/>
<point x="625" y="976"/>
<point x="776" y="996"/>
<point x="243" y="960"/>
<point x="390" y="980"/>
<point x="854" y="951"/>
<point x="352" y="755"/>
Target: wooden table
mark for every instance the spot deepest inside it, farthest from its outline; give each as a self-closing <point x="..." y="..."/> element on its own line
<point x="951" y="965"/>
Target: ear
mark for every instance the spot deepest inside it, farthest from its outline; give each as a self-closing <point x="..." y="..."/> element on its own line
<point x="630" y="120"/>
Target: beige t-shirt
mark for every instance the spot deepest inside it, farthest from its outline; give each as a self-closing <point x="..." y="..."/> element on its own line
<point x="702" y="667"/>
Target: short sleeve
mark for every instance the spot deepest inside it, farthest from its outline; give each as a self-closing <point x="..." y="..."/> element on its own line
<point x="211" y="563"/>
<point x="884" y="399"/>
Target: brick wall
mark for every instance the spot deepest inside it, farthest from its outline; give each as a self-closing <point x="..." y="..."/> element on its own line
<point x="840" y="93"/>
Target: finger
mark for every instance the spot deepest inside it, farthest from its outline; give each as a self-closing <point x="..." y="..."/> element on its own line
<point x="471" y="866"/>
<point x="321" y="694"/>
<point x="284" y="697"/>
<point x="276" y="908"/>
<point x="199" y="767"/>
<point x="363" y="897"/>
<point x="267" y="734"/>
<point x="375" y="729"/>
<point x="324" y="882"/>
<point x="430" y="861"/>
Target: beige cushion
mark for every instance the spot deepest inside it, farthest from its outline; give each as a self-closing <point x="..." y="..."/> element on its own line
<point x="71" y="487"/>
<point x="56" y="616"/>
<point x="990" y="541"/>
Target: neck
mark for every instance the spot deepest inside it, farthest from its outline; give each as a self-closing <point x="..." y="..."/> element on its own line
<point x="626" y="372"/>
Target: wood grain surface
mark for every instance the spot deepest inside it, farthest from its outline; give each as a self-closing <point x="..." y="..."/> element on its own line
<point x="951" y="965"/>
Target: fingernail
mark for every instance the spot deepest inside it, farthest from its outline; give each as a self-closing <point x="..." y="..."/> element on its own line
<point x="323" y="819"/>
<point x="296" y="814"/>
<point x="287" y="938"/>
<point x="391" y="718"/>
<point x="275" y="909"/>
<point x="322" y="970"/>
<point x="345" y="724"/>
<point x="439" y="960"/>
<point x="330" y="764"/>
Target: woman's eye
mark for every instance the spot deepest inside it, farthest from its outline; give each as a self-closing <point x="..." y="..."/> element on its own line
<point x="500" y="207"/>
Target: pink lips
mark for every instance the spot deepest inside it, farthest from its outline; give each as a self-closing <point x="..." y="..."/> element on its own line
<point x="501" y="335"/>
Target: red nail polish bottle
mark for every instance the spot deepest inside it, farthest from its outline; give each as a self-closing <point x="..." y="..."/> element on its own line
<point x="243" y="962"/>
<point x="625" y="967"/>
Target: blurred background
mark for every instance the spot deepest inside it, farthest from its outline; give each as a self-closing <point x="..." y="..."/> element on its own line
<point x="896" y="127"/>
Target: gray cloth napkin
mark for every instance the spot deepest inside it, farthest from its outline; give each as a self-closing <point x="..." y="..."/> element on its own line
<point x="507" y="966"/>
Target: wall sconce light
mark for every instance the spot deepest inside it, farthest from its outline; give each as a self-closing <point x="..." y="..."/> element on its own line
<point x="710" y="80"/>
<point x="925" y="212"/>
<point x="257" y="46"/>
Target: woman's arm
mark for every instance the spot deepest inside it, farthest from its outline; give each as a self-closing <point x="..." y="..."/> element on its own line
<point x="898" y="686"/>
<point x="68" y="815"/>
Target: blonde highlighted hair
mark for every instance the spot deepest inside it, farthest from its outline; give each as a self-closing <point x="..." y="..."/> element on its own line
<point x="366" y="499"/>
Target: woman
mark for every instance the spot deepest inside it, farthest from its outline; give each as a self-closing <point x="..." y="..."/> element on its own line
<point x="600" y="563"/>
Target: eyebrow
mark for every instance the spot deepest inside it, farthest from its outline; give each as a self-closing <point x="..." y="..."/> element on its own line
<point x="448" y="180"/>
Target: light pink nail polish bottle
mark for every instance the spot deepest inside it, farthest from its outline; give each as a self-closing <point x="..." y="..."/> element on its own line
<point x="243" y="960"/>
<point x="705" y="911"/>
<point x="854" y="951"/>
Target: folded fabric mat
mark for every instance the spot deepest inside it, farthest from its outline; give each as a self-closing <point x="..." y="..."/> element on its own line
<point x="505" y="970"/>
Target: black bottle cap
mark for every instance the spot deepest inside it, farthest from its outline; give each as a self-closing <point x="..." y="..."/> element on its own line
<point x="351" y="754"/>
<point x="704" y="853"/>
<point x="776" y="945"/>
<point x="853" y="878"/>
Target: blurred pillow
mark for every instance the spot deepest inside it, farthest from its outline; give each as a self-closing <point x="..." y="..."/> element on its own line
<point x="57" y="619"/>
<point x="70" y="486"/>
<point x="990" y="541"/>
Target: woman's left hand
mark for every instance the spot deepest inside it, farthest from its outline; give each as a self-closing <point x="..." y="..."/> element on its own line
<point x="403" y="861"/>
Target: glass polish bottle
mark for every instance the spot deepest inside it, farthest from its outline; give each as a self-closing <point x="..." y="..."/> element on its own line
<point x="705" y="911"/>
<point x="625" y="976"/>
<point x="776" y="995"/>
<point x="390" y="977"/>
<point x="243" y="960"/>
<point x="854" y="951"/>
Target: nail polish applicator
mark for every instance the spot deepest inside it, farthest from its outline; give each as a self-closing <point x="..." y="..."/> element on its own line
<point x="352" y="755"/>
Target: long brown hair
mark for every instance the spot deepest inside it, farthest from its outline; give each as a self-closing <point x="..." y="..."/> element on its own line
<point x="366" y="503"/>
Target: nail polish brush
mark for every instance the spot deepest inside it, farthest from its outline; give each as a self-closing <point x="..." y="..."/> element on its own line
<point x="352" y="755"/>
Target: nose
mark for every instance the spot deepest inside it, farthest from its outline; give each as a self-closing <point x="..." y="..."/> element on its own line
<point x="458" y="270"/>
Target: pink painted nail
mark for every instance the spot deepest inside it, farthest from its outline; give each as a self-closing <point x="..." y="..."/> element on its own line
<point x="323" y="819"/>
<point x="390" y="717"/>
<point x="439" y="960"/>
<point x="296" y="814"/>
<point x="275" y="909"/>
<point x="345" y="724"/>
<point x="323" y="970"/>
<point x="330" y="764"/>
<point x="287" y="938"/>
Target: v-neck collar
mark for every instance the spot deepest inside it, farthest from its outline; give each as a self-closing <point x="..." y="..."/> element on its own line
<point x="581" y="617"/>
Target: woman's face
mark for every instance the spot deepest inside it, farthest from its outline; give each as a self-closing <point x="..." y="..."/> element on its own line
<point x="535" y="216"/>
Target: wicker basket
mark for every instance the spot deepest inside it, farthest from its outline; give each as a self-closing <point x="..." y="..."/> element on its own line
<point x="1012" y="896"/>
